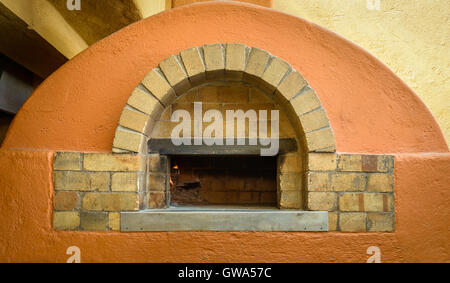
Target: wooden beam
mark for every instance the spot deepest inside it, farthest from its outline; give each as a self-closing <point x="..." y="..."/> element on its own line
<point x="27" y="47"/>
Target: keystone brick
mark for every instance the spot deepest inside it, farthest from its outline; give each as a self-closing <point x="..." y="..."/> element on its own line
<point x="234" y="61"/>
<point x="214" y="61"/>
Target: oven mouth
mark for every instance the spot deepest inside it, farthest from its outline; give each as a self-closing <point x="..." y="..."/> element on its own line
<point x="225" y="182"/>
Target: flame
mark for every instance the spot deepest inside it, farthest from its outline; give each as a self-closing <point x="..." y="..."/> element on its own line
<point x="175" y="167"/>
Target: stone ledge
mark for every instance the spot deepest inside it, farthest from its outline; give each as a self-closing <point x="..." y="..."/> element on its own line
<point x="176" y="219"/>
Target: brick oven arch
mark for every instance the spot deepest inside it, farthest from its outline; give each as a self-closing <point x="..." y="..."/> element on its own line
<point x="231" y="62"/>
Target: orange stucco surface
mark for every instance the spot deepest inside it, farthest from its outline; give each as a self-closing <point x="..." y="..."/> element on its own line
<point x="370" y="110"/>
<point x="422" y="213"/>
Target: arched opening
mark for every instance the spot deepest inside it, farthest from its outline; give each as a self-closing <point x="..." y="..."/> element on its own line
<point x="224" y="78"/>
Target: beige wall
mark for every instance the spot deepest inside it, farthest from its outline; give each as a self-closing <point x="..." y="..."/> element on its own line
<point x="410" y="36"/>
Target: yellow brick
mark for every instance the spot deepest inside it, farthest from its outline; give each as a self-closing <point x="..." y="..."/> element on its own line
<point x="380" y="183"/>
<point x="322" y="161"/>
<point x="389" y="202"/>
<point x="385" y="163"/>
<point x="349" y="162"/>
<point x="99" y="181"/>
<point x="290" y="163"/>
<point x="314" y="120"/>
<point x="290" y="199"/>
<point x="124" y="182"/>
<point x="129" y="140"/>
<point x="320" y="139"/>
<point x="234" y="61"/>
<point x="94" y="221"/>
<point x="145" y="102"/>
<point x="66" y="200"/>
<point x="257" y="62"/>
<point x="135" y="120"/>
<point x="322" y="201"/>
<point x="381" y="222"/>
<point x="373" y="202"/>
<point x="305" y="102"/>
<point x="111" y="202"/>
<point x="193" y="64"/>
<point x="352" y="222"/>
<point x="291" y="85"/>
<point x="318" y="182"/>
<point x="290" y="181"/>
<point x="351" y="202"/>
<point x="156" y="200"/>
<point x="112" y="162"/>
<point x="71" y="181"/>
<point x="275" y="72"/>
<point x="214" y="61"/>
<point x="114" y="221"/>
<point x="67" y="161"/>
<point x="66" y="220"/>
<point x="345" y="182"/>
<point x="173" y="71"/>
<point x="333" y="221"/>
<point x="156" y="182"/>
